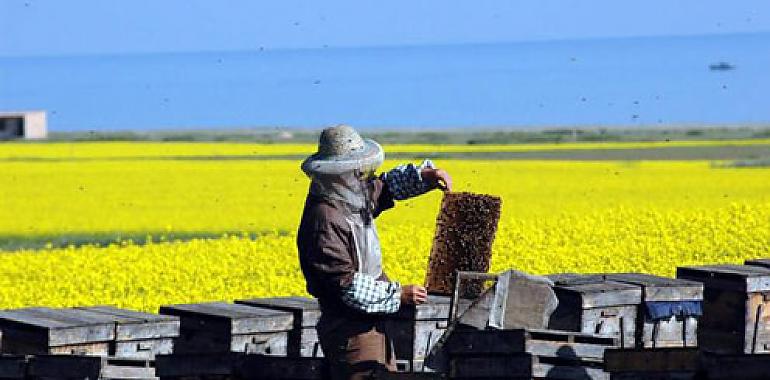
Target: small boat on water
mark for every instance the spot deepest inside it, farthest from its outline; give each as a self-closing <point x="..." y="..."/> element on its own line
<point x="721" y="66"/>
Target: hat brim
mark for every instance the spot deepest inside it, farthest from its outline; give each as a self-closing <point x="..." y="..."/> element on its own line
<point x="368" y="159"/>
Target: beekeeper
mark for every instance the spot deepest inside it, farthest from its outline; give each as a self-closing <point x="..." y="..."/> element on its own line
<point x="339" y="250"/>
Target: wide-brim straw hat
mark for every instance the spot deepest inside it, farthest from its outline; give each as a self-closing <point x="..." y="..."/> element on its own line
<point x="341" y="149"/>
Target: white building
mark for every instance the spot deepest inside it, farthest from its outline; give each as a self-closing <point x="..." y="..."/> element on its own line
<point x="23" y="125"/>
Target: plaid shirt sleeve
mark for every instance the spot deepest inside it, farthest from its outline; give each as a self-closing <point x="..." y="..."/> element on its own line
<point x="405" y="181"/>
<point x="369" y="295"/>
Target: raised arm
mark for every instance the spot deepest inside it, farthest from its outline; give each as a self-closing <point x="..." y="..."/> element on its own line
<point x="408" y="180"/>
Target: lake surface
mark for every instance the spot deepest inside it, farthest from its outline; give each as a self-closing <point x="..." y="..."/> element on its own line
<point x="630" y="82"/>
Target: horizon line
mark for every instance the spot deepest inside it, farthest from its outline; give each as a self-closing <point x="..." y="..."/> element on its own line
<point x="380" y="46"/>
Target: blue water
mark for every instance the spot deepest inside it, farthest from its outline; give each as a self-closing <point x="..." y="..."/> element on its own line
<point x="628" y="82"/>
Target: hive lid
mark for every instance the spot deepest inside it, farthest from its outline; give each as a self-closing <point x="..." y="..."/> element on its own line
<point x="55" y="327"/>
<point x="744" y="278"/>
<point x="657" y="288"/>
<point x="133" y="325"/>
<point x="238" y="319"/>
<point x="595" y="290"/>
<point x="305" y="310"/>
<point x="126" y="315"/>
<point x="575" y="278"/>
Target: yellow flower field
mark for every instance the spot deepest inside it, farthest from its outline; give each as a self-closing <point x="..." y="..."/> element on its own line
<point x="557" y="216"/>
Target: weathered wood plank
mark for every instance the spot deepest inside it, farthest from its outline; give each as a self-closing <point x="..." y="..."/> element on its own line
<point x="426" y="335"/>
<point x="302" y="339"/>
<point x="306" y="310"/>
<point x="19" y="317"/>
<point x="273" y="343"/>
<point x="576" y="278"/>
<point x="657" y="288"/>
<point x="600" y="294"/>
<point x="567" y="336"/>
<point x="744" y="278"/>
<point x="50" y="327"/>
<point x="135" y="325"/>
<point x="672" y="332"/>
<point x="127" y="369"/>
<point x="144" y="349"/>
<point x="95" y="349"/>
<point x="129" y="314"/>
<point x="310" y="346"/>
<point x="241" y="319"/>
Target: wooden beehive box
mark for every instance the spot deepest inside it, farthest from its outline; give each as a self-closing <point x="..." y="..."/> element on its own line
<point x="526" y="354"/>
<point x="303" y="339"/>
<point x="42" y="330"/>
<point x="653" y="364"/>
<point x="679" y="296"/>
<point x="88" y="367"/>
<point x="224" y="327"/>
<point x="416" y="329"/>
<point x="736" y="307"/>
<point x="465" y="230"/>
<point x="137" y="334"/>
<point x="594" y="305"/>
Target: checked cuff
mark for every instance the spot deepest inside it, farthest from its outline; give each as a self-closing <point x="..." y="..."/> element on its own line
<point x="369" y="295"/>
<point x="405" y="181"/>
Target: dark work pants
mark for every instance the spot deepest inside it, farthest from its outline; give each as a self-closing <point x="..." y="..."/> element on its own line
<point x="356" y="349"/>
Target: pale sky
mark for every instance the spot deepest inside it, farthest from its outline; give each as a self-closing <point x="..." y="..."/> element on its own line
<point x="57" y="27"/>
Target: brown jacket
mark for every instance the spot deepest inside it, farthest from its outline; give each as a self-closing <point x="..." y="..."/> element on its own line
<point x="327" y="252"/>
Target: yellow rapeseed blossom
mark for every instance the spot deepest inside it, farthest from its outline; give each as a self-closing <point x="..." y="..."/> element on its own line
<point x="558" y="216"/>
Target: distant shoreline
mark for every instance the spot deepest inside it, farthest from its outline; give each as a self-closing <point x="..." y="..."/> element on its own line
<point x="431" y="136"/>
